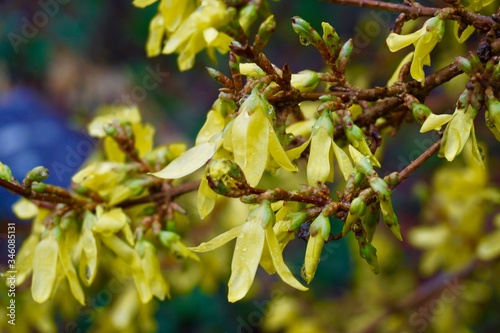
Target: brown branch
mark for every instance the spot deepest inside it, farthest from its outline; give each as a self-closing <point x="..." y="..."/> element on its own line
<point x="159" y="196"/>
<point x="415" y="10"/>
<point x="32" y="195"/>
<point x="414" y="165"/>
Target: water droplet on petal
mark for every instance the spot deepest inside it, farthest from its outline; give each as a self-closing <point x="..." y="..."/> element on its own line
<point x="246" y="115"/>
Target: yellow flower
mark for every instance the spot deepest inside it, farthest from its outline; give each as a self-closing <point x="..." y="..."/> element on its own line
<point x="51" y="262"/>
<point x="253" y="138"/>
<point x="319" y="232"/>
<point x="152" y="270"/>
<point x="250" y="136"/>
<point x="252" y="237"/>
<point x="143" y="133"/>
<point x="322" y="150"/>
<point x="457" y="133"/>
<point x="424" y="40"/>
<point x="198" y="31"/>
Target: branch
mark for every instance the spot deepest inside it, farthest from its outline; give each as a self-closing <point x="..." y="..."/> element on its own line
<point x="159" y="196"/>
<point x="415" y="10"/>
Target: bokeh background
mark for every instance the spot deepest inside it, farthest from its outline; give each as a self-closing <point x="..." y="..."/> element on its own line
<point x="89" y="53"/>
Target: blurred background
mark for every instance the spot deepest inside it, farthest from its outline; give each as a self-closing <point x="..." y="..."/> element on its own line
<point x="54" y="75"/>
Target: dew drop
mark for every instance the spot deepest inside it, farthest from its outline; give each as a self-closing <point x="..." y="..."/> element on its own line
<point x="270" y="109"/>
<point x="303" y="41"/>
<point x="246" y="115"/>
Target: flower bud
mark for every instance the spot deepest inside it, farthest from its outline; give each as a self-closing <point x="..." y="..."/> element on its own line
<point x="464" y="64"/>
<point x="370" y="220"/>
<point x="305" y="81"/>
<point x="248" y="15"/>
<point x="266" y="29"/>
<point x="306" y="33"/>
<point x="319" y="232"/>
<point x="492" y="116"/>
<point x="38" y="174"/>
<point x="357" y="210"/>
<point x="5" y="172"/>
<point x="369" y="253"/>
<point x="420" y="112"/>
<point x="476" y="64"/>
<point x="331" y="39"/>
<point x="226" y="176"/>
<point x="345" y="55"/>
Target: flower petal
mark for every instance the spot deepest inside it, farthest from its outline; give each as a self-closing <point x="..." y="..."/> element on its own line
<point x="246" y="257"/>
<point x="190" y="161"/>
<point x="277" y="257"/>
<point x="218" y="241"/>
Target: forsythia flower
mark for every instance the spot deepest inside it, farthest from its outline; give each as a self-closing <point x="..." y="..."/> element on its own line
<point x="250" y="137"/>
<point x="252" y="237"/>
<point x="322" y="149"/>
<point x="51" y="262"/>
<point x="457" y="133"/>
<point x="424" y="40"/>
<point x="189" y="30"/>
<point x="318" y="235"/>
<point x="143" y="133"/>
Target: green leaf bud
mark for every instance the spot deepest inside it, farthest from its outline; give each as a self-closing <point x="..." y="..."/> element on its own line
<point x="248" y="15"/>
<point x="370" y="220"/>
<point x="266" y="29"/>
<point x="345" y="55"/>
<point x="369" y="253"/>
<point x="464" y="64"/>
<point x="306" y="33"/>
<point x="167" y="238"/>
<point x="5" y="172"/>
<point x="37" y="174"/>
<point x="420" y="112"/>
<point x="296" y="219"/>
<point x="331" y="39"/>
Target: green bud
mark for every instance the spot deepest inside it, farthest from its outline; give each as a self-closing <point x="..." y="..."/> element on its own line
<point x="369" y="253"/>
<point x="321" y="226"/>
<point x="345" y="55"/>
<point x="306" y="33"/>
<point x="420" y="112"/>
<point x="5" y="172"/>
<point x="381" y="189"/>
<point x="39" y="187"/>
<point x="305" y="81"/>
<point x="248" y="15"/>
<point x="391" y="220"/>
<point x="358" y="207"/>
<point x="226" y="177"/>
<point x="266" y="29"/>
<point x="476" y="64"/>
<point x="220" y="78"/>
<point x="492" y="116"/>
<point x="331" y="39"/>
<point x="357" y="210"/>
<point x="370" y="220"/>
<point x="38" y="174"/>
<point x="392" y="179"/>
<point x="495" y="77"/>
<point x="464" y="64"/>
<point x="110" y="130"/>
<point x="263" y="213"/>
<point x="296" y="219"/>
<point x="167" y="238"/>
